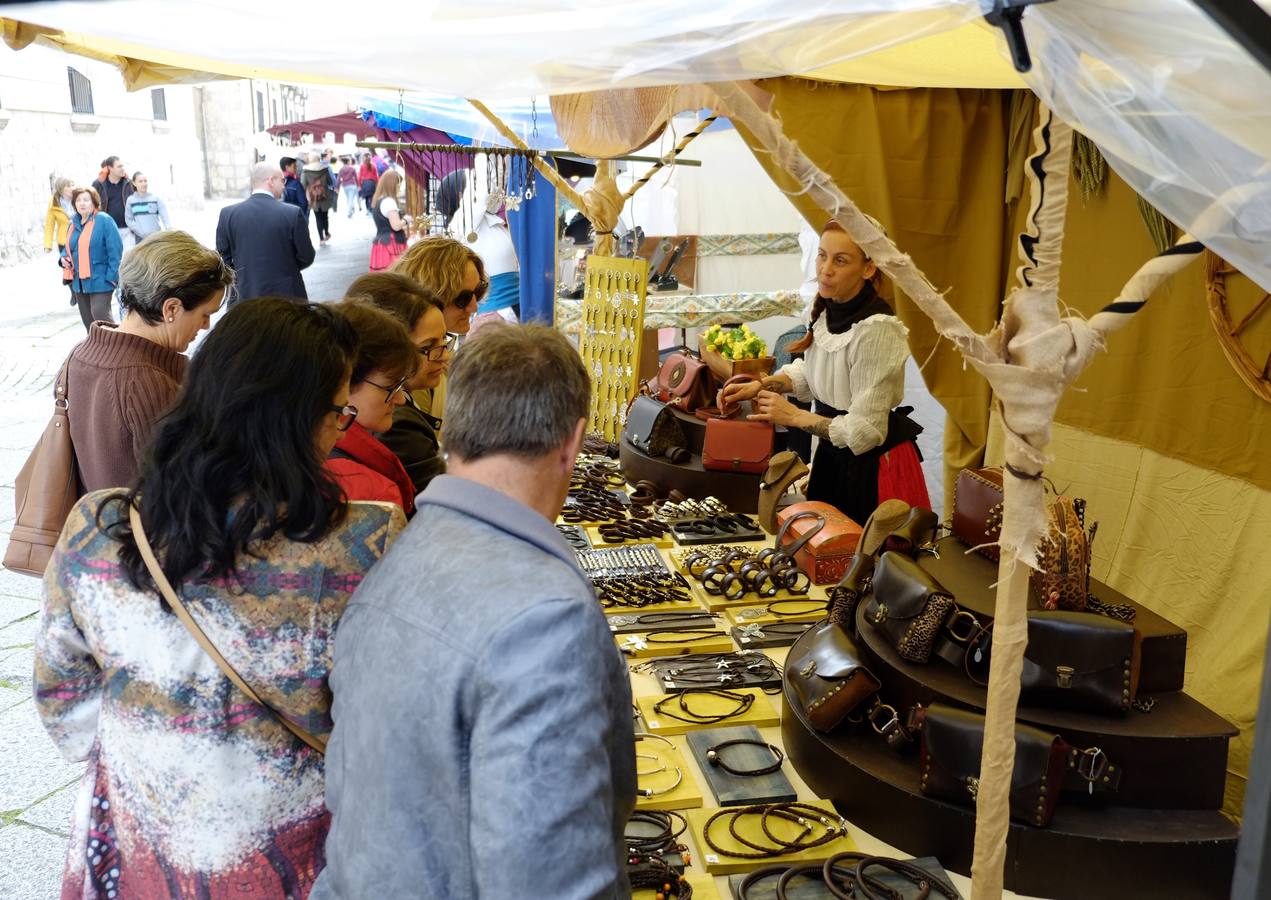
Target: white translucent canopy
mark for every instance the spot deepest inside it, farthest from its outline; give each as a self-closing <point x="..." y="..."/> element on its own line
<point x="1180" y="110"/>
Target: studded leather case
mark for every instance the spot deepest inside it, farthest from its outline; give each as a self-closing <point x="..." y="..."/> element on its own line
<point x="825" y="670"/>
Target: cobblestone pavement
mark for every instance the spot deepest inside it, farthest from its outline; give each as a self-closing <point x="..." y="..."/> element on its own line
<point x="38" y="328"/>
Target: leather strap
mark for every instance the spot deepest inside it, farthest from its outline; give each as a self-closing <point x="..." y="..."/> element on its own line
<point x="165" y="588"/>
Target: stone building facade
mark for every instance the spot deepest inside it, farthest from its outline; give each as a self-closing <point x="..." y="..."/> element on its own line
<point x="61" y="115"/>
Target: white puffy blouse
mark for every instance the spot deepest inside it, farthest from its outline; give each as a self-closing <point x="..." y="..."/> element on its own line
<point x="861" y="371"/>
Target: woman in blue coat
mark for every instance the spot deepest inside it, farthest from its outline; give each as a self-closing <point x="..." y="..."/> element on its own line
<point x="90" y="263"/>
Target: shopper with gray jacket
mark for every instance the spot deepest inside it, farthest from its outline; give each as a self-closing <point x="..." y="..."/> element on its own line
<point x="145" y="212"/>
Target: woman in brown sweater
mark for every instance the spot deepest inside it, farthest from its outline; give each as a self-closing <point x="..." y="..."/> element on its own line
<point x="121" y="379"/>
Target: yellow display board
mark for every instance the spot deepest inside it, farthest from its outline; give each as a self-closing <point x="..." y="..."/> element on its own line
<point x="719" y="603"/>
<point x="659" y="766"/>
<point x="609" y="338"/>
<point x="801" y="609"/>
<point x="664" y="643"/>
<point x="593" y="534"/>
<point x="761" y="713"/>
<point x="749" y="828"/>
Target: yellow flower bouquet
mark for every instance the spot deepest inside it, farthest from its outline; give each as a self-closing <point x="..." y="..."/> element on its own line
<point x="734" y="351"/>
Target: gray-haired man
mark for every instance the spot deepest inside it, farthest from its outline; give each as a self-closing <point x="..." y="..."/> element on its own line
<point x="483" y="739"/>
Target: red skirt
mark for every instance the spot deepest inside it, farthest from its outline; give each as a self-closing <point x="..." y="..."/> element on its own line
<point x="900" y="476"/>
<point x="383" y="255"/>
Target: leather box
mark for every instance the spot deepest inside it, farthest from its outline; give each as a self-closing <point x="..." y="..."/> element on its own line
<point x="827" y="555"/>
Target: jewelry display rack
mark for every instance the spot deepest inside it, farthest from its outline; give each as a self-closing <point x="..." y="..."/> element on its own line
<point x="610" y="336"/>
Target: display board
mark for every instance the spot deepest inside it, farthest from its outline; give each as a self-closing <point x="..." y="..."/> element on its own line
<point x="610" y="337"/>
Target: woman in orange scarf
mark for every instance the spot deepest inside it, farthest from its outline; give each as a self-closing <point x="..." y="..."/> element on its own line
<point x="90" y="263"/>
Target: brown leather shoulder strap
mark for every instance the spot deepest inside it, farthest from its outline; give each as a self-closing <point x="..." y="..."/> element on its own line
<point x="165" y="588"/>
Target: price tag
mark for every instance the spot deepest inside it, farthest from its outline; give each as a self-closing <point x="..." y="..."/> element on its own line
<point x="712" y="858"/>
<point x="653" y="723"/>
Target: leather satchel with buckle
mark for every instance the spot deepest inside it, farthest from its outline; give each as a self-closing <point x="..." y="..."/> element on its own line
<point x="684" y="382"/>
<point x="1073" y="660"/>
<point x="826" y="672"/>
<point x="1045" y="764"/>
<point x="915" y="613"/>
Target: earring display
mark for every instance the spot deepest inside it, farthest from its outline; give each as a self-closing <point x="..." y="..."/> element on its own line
<point x="740" y="767"/>
<point x="732" y="840"/>
<point x="669" y="714"/>
<point x="662" y="777"/>
<point x="610" y="336"/>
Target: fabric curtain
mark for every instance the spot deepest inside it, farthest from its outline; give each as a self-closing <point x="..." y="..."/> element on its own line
<point x="533" y="228"/>
<point x="930" y="164"/>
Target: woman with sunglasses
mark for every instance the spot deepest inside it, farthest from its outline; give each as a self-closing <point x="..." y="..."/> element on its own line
<point x="452" y="271"/>
<point x="386" y="360"/>
<point x="192" y="787"/>
<point x="414" y="434"/>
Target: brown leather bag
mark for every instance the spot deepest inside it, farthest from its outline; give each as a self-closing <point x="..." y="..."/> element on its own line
<point x="977" y="510"/>
<point x="1062" y="577"/>
<point x="824" y="669"/>
<point x="652" y="428"/>
<point x="1045" y="764"/>
<point x="908" y="607"/>
<point x="1073" y="660"/>
<point x="684" y="382"/>
<point x="45" y="491"/>
<point x="735" y="446"/>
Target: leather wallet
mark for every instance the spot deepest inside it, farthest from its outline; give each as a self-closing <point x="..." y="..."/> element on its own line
<point x="825" y="670"/>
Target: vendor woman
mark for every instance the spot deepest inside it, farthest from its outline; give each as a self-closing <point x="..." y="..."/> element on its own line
<point x="854" y="370"/>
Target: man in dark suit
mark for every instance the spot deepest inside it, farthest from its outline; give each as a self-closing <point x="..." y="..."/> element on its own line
<point x="266" y="242"/>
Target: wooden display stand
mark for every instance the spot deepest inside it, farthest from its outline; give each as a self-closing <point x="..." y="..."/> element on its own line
<point x="761" y="713"/>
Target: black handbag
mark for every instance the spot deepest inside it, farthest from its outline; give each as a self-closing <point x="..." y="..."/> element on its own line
<point x="1074" y="660"/>
<point x="912" y="610"/>
<point x="653" y="429"/>
<point x="826" y="672"/>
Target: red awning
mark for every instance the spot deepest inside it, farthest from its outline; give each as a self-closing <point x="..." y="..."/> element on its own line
<point x="338" y="125"/>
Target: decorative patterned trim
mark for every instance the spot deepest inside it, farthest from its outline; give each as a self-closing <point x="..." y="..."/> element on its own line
<point x="697" y="310"/>
<point x="747" y="244"/>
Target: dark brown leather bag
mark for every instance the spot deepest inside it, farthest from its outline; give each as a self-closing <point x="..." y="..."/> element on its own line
<point x="45" y="491"/>
<point x="1045" y="764"/>
<point x="732" y="445"/>
<point x="684" y="382"/>
<point x="825" y="670"/>
<point x="908" y="607"/>
<point x="977" y="510"/>
<point x="652" y="428"/>
<point x="1074" y="660"/>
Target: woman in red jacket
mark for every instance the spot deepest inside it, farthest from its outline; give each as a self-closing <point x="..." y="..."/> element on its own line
<point x="386" y="359"/>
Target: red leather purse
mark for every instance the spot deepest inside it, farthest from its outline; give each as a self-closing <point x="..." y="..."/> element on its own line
<point x="735" y="446"/>
<point x="684" y="382"/>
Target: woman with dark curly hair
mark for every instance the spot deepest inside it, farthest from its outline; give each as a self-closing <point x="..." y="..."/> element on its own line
<point x="192" y="786"/>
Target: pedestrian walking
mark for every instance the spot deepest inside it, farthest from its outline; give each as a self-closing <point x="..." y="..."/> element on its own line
<point x="113" y="190"/>
<point x="90" y="263"/>
<point x="266" y="242"/>
<point x="125" y="378"/>
<point x="57" y="221"/>
<point x="193" y="786"/>
<point x="333" y="168"/>
<point x="367" y="177"/>
<point x="319" y="191"/>
<point x="347" y="179"/>
<point x="293" y="191"/>
<point x="146" y="212"/>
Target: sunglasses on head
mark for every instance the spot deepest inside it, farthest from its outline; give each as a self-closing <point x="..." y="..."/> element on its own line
<point x="465" y="298"/>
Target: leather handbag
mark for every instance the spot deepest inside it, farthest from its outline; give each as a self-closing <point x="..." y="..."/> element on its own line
<point x="784" y="469"/>
<point x="908" y="607"/>
<point x="731" y="445"/>
<point x="829" y="679"/>
<point x="653" y="429"/>
<point x="1074" y="660"/>
<point x="977" y="510"/>
<point x="45" y="491"/>
<point x="684" y="382"/>
<point x="1045" y="764"/>
<point x="174" y="601"/>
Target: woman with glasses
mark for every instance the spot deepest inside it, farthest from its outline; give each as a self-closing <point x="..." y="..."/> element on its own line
<point x="414" y="434"/>
<point x="192" y="787"/>
<point x="121" y="379"/>
<point x="386" y="360"/>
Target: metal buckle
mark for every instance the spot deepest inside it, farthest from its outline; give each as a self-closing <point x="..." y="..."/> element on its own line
<point x="879" y="616"/>
<point x="808" y="669"/>
<point x="973" y="786"/>
<point x="887" y="727"/>
<point x="1063" y="676"/>
<point x="973" y="627"/>
<point x="1092" y="763"/>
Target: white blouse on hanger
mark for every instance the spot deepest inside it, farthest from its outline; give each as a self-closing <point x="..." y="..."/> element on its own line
<point x="861" y="371"/>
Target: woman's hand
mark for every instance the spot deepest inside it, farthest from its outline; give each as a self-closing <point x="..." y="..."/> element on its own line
<point x="774" y="408"/>
<point x="736" y="393"/>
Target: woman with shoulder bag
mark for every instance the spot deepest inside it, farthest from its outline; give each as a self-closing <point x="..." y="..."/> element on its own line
<point x="90" y="264"/>
<point x="854" y="370"/>
<point x="205" y="776"/>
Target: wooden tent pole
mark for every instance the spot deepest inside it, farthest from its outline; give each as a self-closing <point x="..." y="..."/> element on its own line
<point x="670" y="157"/>
<point x="544" y="169"/>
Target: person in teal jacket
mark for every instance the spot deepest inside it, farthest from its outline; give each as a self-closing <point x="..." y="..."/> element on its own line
<point x="90" y="263"/>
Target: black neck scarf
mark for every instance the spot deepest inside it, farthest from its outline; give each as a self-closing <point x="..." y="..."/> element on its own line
<point x="842" y="315"/>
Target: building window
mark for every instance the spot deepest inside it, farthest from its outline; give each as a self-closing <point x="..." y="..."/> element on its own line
<point x="260" y="111"/>
<point x="81" y="92"/>
<point x="159" y="104"/>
